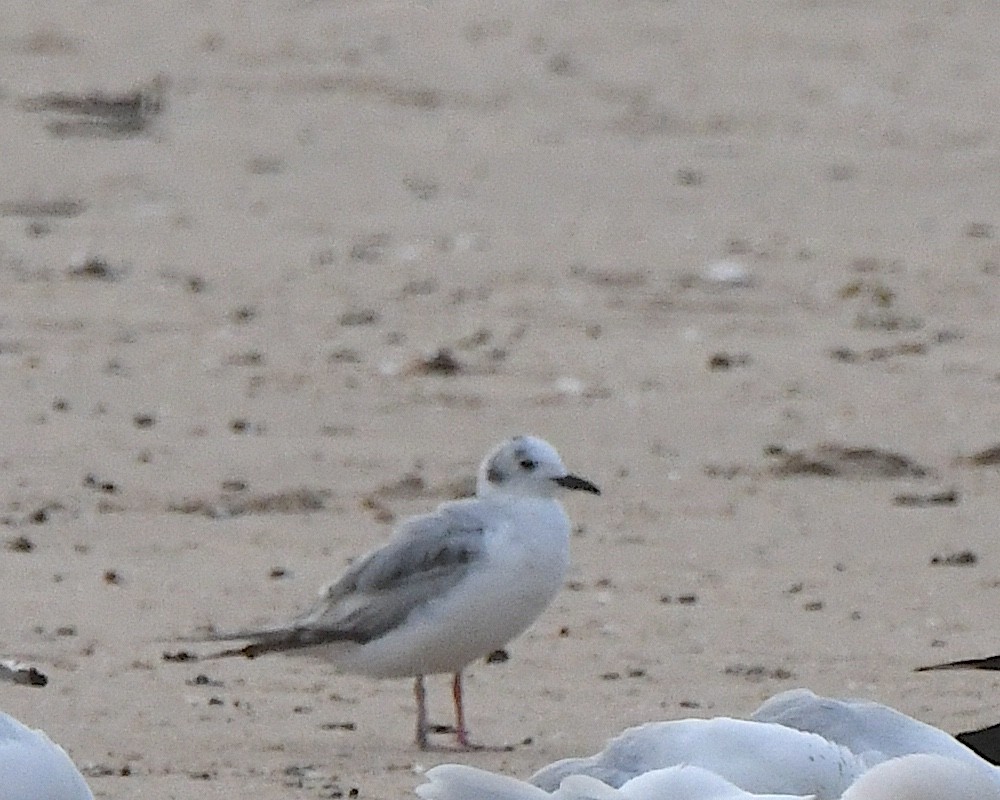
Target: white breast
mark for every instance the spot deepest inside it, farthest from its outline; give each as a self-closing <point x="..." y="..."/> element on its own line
<point x="527" y="555"/>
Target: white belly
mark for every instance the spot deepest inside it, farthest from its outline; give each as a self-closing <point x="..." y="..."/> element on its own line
<point x="497" y="600"/>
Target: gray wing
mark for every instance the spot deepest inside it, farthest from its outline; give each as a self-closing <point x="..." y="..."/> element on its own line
<point x="426" y="557"/>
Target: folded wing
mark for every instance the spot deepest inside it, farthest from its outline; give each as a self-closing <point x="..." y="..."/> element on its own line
<point x="426" y="557"/>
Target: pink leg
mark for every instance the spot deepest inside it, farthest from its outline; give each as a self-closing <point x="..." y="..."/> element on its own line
<point x="461" y="734"/>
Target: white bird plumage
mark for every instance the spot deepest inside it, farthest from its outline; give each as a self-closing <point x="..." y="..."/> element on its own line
<point x="761" y="758"/>
<point x="797" y="745"/>
<point x="682" y="782"/>
<point x="32" y="766"/>
<point x="449" y="587"/>
<point x="871" y="730"/>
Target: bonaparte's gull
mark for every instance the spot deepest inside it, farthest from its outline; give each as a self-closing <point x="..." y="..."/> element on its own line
<point x="449" y="587"/>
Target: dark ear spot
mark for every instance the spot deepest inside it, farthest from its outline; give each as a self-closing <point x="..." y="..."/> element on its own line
<point x="494" y="475"/>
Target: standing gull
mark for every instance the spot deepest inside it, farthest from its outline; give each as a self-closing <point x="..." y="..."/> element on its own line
<point x="449" y="587"/>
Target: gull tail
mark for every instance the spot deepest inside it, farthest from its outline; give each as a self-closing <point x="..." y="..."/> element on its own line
<point x="260" y="642"/>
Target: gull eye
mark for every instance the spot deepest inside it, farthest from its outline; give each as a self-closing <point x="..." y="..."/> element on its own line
<point x="528" y="465"/>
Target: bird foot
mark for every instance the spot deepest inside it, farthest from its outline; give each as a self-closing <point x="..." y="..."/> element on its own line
<point x="462" y="743"/>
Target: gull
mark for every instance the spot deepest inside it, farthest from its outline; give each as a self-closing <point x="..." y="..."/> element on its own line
<point x="758" y="757"/>
<point x="797" y="745"/>
<point x="448" y="588"/>
<point x="921" y="776"/>
<point x="32" y="766"/>
<point x="682" y="782"/>
<point x="869" y="729"/>
<point x="985" y="741"/>
<point x="796" y="742"/>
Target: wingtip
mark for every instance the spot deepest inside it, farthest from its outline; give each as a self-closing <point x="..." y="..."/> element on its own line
<point x="991" y="663"/>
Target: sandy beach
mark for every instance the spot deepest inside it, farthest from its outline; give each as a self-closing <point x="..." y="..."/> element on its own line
<point x="275" y="277"/>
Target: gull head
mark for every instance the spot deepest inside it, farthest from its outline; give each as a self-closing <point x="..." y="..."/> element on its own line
<point x="527" y="466"/>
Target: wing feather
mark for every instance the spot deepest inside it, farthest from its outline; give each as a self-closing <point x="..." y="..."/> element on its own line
<point x="427" y="556"/>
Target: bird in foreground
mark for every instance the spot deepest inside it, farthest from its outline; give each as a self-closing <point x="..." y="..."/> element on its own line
<point x="448" y="588"/>
<point x="797" y="742"/>
<point x="796" y="745"/>
<point x="681" y="782"/>
<point x="32" y="766"/>
<point x="919" y="776"/>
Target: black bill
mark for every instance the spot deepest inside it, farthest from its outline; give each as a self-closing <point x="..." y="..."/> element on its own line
<point x="577" y="483"/>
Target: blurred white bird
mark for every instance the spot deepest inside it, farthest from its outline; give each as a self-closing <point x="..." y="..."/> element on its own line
<point x="32" y="766"/>
<point x="798" y="745"/>
<point x="868" y="729"/>
<point x="683" y="782"/>
<point x="923" y="776"/>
